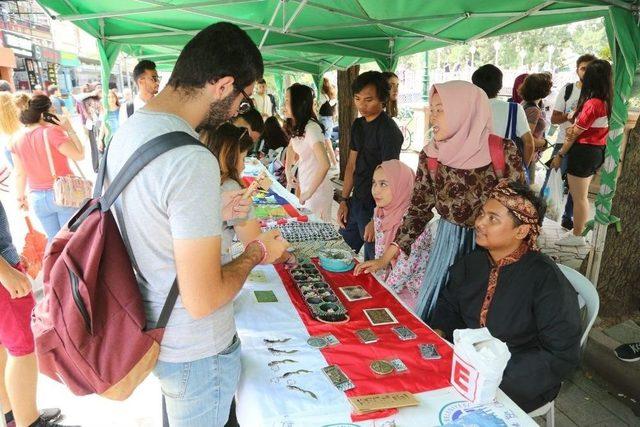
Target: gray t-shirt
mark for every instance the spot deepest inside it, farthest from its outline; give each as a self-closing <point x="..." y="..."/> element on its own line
<point x="177" y="196"/>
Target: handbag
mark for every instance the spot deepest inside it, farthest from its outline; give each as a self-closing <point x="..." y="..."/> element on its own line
<point x="69" y="191"/>
<point x="33" y="251"/>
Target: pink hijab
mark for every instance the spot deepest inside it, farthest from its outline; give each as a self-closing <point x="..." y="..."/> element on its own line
<point x="469" y="123"/>
<point x="400" y="178"/>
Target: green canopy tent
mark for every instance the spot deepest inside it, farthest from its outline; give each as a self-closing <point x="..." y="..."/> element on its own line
<point x="315" y="36"/>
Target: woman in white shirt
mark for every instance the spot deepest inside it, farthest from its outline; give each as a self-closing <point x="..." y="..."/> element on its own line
<point x="328" y="103"/>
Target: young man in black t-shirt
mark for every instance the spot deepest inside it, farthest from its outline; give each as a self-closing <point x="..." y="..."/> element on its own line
<point x="375" y="137"/>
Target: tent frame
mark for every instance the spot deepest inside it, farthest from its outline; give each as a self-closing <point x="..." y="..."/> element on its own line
<point x="621" y="22"/>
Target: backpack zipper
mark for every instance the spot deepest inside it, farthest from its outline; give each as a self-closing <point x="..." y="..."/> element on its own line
<point x="75" y="290"/>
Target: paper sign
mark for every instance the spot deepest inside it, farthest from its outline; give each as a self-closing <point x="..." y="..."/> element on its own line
<point x="464" y="378"/>
<point x="377" y="402"/>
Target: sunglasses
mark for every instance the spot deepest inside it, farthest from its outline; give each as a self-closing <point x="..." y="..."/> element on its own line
<point x="246" y="104"/>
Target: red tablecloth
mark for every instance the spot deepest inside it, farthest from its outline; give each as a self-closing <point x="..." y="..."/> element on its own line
<point x="354" y="357"/>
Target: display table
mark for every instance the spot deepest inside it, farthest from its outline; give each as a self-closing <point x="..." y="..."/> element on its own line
<point x="263" y="399"/>
<point x="266" y="397"/>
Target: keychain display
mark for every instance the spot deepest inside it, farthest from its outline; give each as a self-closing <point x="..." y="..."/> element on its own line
<point x="296" y="232"/>
<point x="323" y="303"/>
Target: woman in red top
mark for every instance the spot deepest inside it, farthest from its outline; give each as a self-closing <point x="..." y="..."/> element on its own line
<point x="32" y="165"/>
<point x="585" y="142"/>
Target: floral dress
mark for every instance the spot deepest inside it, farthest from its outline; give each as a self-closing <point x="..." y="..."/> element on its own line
<point x="405" y="276"/>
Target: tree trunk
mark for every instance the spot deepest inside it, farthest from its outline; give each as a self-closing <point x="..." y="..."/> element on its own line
<point x="620" y="268"/>
<point x="347" y="112"/>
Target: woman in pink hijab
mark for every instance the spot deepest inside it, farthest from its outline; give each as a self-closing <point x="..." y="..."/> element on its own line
<point x="391" y="189"/>
<point x="456" y="172"/>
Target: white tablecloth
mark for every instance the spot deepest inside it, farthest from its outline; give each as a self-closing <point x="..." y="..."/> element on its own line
<point x="263" y="400"/>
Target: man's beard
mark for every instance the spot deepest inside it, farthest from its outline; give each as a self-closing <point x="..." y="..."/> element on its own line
<point x="218" y="113"/>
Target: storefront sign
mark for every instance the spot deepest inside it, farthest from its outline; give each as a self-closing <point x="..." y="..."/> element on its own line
<point x="52" y="73"/>
<point x="32" y="73"/>
<point x="45" y="54"/>
<point x="20" y="45"/>
<point x="69" y="59"/>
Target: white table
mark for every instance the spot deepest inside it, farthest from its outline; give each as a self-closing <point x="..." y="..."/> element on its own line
<point x="262" y="402"/>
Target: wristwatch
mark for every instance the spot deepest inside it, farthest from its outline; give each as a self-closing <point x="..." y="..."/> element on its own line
<point x="343" y="199"/>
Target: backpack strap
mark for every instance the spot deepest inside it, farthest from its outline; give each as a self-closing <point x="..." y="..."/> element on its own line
<point x="568" y="90"/>
<point x="130" y="108"/>
<point x="141" y="158"/>
<point x="496" y="151"/>
<point x="138" y="160"/>
<point x="512" y="121"/>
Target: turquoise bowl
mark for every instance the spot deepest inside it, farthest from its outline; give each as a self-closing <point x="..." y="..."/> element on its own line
<point x="336" y="259"/>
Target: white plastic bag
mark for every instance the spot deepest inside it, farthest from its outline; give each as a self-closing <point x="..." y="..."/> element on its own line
<point x="554" y="195"/>
<point x="479" y="360"/>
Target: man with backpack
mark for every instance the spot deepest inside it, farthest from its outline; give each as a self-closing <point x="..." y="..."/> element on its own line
<point x="264" y="102"/>
<point x="509" y="118"/>
<point x="172" y="213"/>
<point x="102" y="329"/>
<point x="563" y="116"/>
<point x="146" y="78"/>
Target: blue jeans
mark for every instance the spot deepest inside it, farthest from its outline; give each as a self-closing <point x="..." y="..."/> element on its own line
<point x="51" y="216"/>
<point x="568" y="207"/>
<point x="359" y="216"/>
<point x="199" y="393"/>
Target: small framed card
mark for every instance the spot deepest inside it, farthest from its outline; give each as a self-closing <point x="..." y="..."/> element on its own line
<point x="338" y="378"/>
<point x="367" y="336"/>
<point x="404" y="333"/>
<point x="429" y="352"/>
<point x="380" y="316"/>
<point x="265" y="296"/>
<point x="354" y="293"/>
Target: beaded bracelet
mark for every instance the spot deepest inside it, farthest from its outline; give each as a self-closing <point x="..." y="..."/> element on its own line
<point x="263" y="247"/>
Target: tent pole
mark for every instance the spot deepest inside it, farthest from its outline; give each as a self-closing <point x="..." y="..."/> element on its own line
<point x="624" y="37"/>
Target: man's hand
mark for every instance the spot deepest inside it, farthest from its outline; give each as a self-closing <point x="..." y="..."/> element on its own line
<point x="234" y="206"/>
<point x="343" y="214"/>
<point x="15" y="282"/>
<point x="370" y="266"/>
<point x="275" y="244"/>
<point x="556" y="162"/>
<point x="369" y="233"/>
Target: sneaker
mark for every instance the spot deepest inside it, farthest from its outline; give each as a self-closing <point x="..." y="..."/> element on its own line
<point x="628" y="352"/>
<point x="567" y="223"/>
<point x="50" y="414"/>
<point x="41" y="422"/>
<point x="571" y="239"/>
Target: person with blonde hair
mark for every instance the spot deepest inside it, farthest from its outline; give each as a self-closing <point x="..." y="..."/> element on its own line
<point x="10" y="124"/>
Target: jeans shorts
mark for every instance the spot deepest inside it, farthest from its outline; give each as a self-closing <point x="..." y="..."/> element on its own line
<point x="199" y="393"/>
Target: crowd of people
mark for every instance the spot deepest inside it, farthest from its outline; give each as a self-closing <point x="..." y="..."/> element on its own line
<point x="478" y="265"/>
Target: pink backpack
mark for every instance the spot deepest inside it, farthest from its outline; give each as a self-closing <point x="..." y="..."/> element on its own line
<point x="90" y="328"/>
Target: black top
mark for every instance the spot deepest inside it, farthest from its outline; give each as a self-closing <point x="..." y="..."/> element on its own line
<point x="534" y="311"/>
<point x="375" y="142"/>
